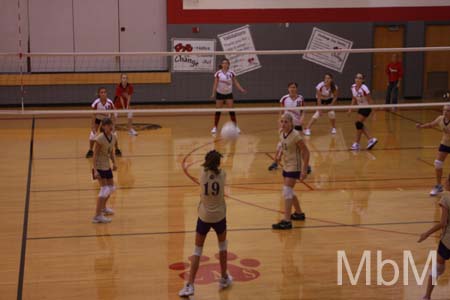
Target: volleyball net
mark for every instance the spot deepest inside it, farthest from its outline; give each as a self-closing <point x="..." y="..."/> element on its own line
<point x="186" y="76"/>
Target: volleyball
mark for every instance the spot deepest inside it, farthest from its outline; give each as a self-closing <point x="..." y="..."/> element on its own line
<point x="229" y="131"/>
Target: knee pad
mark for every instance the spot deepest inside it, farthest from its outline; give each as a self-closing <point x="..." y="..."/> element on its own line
<point x="218" y="113"/>
<point x="92" y="136"/>
<point x="359" y="125"/>
<point x="232" y="113"/>
<point x="198" y="251"/>
<point x="116" y="115"/>
<point x="111" y="189"/>
<point x="437" y="271"/>
<point x="130" y="115"/>
<point x="288" y="192"/>
<point x="223" y="246"/>
<point x="332" y="114"/>
<point x="104" y="192"/>
<point x="438" y="164"/>
<point x="316" y="115"/>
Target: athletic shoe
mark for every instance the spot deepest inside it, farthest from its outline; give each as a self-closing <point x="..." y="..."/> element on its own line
<point x="108" y="211"/>
<point x="118" y="152"/>
<point x="355" y="146"/>
<point x="372" y="142"/>
<point x="89" y="154"/>
<point x="298" y="217"/>
<point x="214" y="130"/>
<point x="282" y="225"/>
<point x="333" y="130"/>
<point x="225" y="282"/>
<point x="307" y="131"/>
<point x="186" y="291"/>
<point x="132" y="132"/>
<point x="273" y="166"/>
<point x="437" y="189"/>
<point x="238" y="129"/>
<point x="101" y="219"/>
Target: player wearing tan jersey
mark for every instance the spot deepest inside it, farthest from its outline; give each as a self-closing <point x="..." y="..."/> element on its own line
<point x="103" y="152"/>
<point x="102" y="104"/>
<point x="443" y="123"/>
<point x="444" y="243"/>
<point x="295" y="157"/>
<point x="222" y="91"/>
<point x="211" y="214"/>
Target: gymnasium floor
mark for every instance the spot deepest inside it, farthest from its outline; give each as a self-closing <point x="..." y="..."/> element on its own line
<point x="375" y="200"/>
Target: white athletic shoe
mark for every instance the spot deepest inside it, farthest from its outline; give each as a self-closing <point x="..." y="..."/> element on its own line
<point x="355" y="146"/>
<point x="100" y="219"/>
<point x="307" y="131"/>
<point x="186" y="291"/>
<point x="132" y="132"/>
<point x="108" y="211"/>
<point x="333" y="130"/>
<point x="437" y="189"/>
<point x="372" y="142"/>
<point x="214" y="130"/>
<point x="225" y="282"/>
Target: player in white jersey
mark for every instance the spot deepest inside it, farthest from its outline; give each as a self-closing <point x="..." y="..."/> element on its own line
<point x="291" y="100"/>
<point x="327" y="93"/>
<point x="222" y="91"/>
<point x="361" y="96"/>
<point x="211" y="214"/>
<point x="101" y="104"/>
<point x="295" y="156"/>
<point x="443" y="123"/>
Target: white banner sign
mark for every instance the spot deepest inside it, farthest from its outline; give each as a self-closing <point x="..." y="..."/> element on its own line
<point x="320" y="40"/>
<point x="187" y="62"/>
<point x="240" y="39"/>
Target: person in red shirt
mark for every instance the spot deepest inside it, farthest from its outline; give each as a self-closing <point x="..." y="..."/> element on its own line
<point x="124" y="90"/>
<point x="394" y="70"/>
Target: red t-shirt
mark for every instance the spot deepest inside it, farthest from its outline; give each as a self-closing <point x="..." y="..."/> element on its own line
<point x="394" y="71"/>
<point x="120" y="90"/>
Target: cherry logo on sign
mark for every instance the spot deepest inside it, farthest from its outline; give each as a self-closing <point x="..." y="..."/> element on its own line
<point x="209" y="272"/>
<point x="183" y="48"/>
<point x="251" y="60"/>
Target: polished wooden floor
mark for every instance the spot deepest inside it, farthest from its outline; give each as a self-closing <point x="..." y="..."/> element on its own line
<point x="375" y="200"/>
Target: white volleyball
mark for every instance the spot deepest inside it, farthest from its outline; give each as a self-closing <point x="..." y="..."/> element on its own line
<point x="229" y="131"/>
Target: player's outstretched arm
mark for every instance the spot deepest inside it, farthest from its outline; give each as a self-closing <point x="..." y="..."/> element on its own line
<point x="431" y="124"/>
<point x="436" y="227"/>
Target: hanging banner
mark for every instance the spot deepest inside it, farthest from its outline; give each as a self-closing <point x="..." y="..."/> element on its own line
<point x="240" y="39"/>
<point x="321" y="40"/>
<point x="187" y="61"/>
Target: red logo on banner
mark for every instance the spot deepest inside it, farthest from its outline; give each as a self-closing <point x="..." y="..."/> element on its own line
<point x="183" y="48"/>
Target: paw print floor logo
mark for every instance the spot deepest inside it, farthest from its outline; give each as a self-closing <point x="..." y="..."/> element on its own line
<point x="209" y="272"/>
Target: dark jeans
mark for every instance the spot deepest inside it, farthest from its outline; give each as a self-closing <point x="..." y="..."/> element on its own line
<point x="392" y="90"/>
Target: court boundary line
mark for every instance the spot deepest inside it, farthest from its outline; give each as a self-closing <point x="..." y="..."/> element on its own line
<point x="25" y="216"/>
<point x="337" y="225"/>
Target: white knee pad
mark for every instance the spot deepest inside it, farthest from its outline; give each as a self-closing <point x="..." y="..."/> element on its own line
<point x="198" y="251"/>
<point x="92" y="136"/>
<point x="438" y="164"/>
<point x="332" y="114"/>
<point x="111" y="189"/>
<point x="130" y="115"/>
<point x="223" y="246"/>
<point x="288" y="192"/>
<point x="438" y="271"/>
<point x="316" y="115"/>
<point x="116" y="115"/>
<point x="104" y="192"/>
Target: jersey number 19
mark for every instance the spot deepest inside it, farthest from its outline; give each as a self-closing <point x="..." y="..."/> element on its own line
<point x="215" y="189"/>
